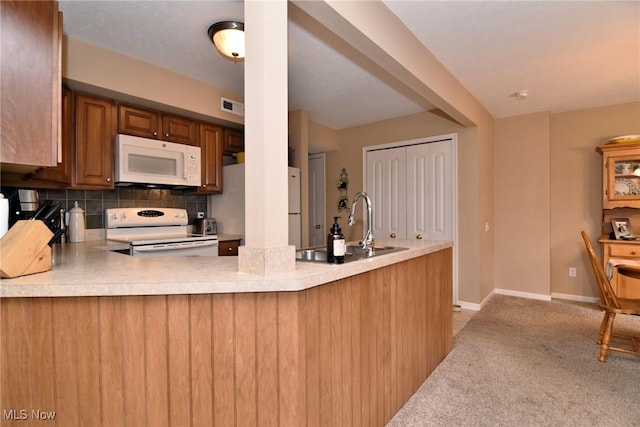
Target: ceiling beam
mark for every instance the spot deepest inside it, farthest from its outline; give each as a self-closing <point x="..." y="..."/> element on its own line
<point x="396" y="56"/>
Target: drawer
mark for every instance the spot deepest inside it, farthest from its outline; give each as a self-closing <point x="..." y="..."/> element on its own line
<point x="624" y="251"/>
<point x="228" y="248"/>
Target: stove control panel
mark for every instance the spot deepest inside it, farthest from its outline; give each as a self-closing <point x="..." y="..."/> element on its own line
<point x="144" y="217"/>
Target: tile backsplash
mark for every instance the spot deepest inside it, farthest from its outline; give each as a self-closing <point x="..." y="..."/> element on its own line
<point x="95" y="202"/>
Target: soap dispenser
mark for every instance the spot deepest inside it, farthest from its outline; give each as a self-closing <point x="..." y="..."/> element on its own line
<point x="336" y="246"/>
<point x="75" y="223"/>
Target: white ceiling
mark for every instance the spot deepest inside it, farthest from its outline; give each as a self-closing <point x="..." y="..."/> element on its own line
<point x="567" y="54"/>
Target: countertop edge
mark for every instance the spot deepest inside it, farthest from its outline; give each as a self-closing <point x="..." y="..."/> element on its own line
<point x="219" y="275"/>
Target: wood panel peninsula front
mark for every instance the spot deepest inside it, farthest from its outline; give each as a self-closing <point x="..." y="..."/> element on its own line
<point x="104" y="339"/>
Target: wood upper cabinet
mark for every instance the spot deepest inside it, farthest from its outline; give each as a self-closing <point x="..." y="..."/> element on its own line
<point x="233" y="141"/>
<point x="179" y="129"/>
<point x="60" y="175"/>
<point x="30" y="42"/>
<point x="154" y="124"/>
<point x="53" y="177"/>
<point x="620" y="184"/>
<point x="139" y="122"/>
<point x="211" y="153"/>
<point x="95" y="129"/>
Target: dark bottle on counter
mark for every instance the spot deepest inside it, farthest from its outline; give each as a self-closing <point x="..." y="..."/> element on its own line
<point x="336" y="246"/>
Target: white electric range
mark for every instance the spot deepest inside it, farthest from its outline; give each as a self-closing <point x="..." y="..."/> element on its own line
<point x="157" y="232"/>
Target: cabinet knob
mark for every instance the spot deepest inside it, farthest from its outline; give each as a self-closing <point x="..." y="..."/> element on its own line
<point x="229" y="249"/>
<point x="108" y="179"/>
<point x="155" y="133"/>
<point x="318" y="226"/>
<point x="392" y="235"/>
<point x="419" y="237"/>
<point x="166" y="135"/>
<point x="633" y="252"/>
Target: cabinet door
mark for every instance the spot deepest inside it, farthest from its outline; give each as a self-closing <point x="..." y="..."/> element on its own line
<point x="233" y="141"/>
<point x="94" y="142"/>
<point x="180" y="130"/>
<point x="211" y="153"/>
<point x="30" y="42"/>
<point x="621" y="179"/>
<point x="228" y="248"/>
<point x="60" y="175"/>
<point x="430" y="191"/>
<point x="138" y="122"/>
<point x="386" y="185"/>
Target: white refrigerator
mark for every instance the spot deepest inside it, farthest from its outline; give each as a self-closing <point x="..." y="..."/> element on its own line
<point x="295" y="214"/>
<point x="228" y="208"/>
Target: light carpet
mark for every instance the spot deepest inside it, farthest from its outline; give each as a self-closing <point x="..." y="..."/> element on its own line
<point x="522" y="362"/>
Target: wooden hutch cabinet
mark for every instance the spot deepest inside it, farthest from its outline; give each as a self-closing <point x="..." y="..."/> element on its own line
<point x="621" y="199"/>
<point x="620" y="175"/>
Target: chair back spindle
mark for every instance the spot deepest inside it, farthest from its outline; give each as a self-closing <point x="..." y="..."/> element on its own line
<point x="607" y="295"/>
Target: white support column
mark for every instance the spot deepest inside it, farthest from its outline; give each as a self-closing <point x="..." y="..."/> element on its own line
<point x="266" y="249"/>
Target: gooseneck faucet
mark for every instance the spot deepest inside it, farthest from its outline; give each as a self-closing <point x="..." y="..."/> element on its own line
<point x="367" y="243"/>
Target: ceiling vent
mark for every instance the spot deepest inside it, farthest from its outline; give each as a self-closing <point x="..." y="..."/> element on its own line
<point x="230" y="106"/>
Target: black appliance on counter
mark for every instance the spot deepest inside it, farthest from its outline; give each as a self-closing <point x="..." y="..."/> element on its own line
<point x="25" y="205"/>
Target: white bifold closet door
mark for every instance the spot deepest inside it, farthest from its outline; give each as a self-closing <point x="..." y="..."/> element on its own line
<point x="411" y="188"/>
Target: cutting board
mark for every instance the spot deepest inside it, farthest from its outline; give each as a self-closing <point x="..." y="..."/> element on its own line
<point x="25" y="249"/>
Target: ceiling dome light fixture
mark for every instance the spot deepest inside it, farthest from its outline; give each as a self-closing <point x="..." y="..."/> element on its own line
<point x="520" y="95"/>
<point x="228" y="38"/>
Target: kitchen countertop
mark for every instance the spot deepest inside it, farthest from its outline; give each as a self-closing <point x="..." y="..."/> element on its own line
<point x="93" y="269"/>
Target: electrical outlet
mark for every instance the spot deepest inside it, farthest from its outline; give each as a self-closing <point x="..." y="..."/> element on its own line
<point x="572" y="272"/>
<point x="200" y="215"/>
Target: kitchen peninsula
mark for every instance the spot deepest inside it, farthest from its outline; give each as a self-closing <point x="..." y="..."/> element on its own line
<point x="105" y="338"/>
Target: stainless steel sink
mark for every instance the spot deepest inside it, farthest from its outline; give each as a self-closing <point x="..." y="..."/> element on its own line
<point x="354" y="253"/>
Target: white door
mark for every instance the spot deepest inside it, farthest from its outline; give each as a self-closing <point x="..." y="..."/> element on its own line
<point x="386" y="185"/>
<point x="430" y="191"/>
<point x="317" y="229"/>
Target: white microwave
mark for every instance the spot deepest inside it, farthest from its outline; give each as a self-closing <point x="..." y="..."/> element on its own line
<point x="154" y="162"/>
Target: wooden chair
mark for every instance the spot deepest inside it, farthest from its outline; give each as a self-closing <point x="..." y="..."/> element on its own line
<point x="612" y="305"/>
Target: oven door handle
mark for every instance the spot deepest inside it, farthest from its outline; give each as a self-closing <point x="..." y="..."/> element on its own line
<point x="173" y="246"/>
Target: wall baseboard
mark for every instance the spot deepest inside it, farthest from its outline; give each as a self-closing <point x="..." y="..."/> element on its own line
<point x="571" y="297"/>
<point x="528" y="295"/>
<point x="476" y="307"/>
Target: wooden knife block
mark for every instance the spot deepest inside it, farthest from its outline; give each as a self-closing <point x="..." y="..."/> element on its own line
<point x="25" y="249"/>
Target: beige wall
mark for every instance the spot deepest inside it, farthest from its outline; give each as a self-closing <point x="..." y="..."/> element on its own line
<point x="108" y="73"/>
<point x="322" y="138"/>
<point x="522" y="204"/>
<point x="548" y="189"/>
<point x="576" y="188"/>
<point x="351" y="142"/>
